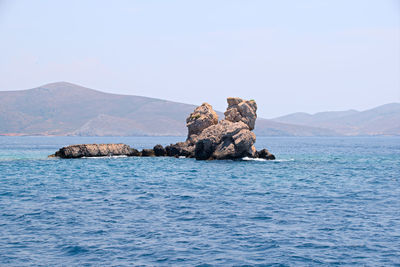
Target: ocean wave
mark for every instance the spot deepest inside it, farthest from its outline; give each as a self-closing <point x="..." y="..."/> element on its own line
<point x="258" y="159"/>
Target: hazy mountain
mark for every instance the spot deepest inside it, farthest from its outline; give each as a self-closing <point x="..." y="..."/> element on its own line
<point x="64" y="108"/>
<point x="266" y="127"/>
<point x="382" y="120"/>
<point x="306" y="118"/>
<point x="67" y="109"/>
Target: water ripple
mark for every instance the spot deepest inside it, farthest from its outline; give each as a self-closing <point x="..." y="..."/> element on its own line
<point x="329" y="201"/>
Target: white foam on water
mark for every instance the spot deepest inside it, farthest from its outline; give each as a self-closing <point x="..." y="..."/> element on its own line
<point x="253" y="159"/>
<point x="258" y="159"/>
<point x="106" y="157"/>
<point x="283" y="160"/>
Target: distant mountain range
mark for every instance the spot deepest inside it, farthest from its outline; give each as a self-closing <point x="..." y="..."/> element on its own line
<point x="67" y="109"/>
<point x="382" y="120"/>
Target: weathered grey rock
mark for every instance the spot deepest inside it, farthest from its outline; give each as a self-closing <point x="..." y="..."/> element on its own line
<point x="181" y="149"/>
<point x="159" y="151"/>
<point x="148" y="152"/>
<point x="226" y="140"/>
<point x="202" y="117"/>
<point x="265" y="154"/>
<point x="241" y="110"/>
<point x="191" y="140"/>
<point x="244" y="143"/>
<point x="204" y="149"/>
<point x="187" y="150"/>
<point x="94" y="150"/>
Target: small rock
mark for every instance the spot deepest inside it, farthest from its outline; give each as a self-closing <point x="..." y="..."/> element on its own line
<point x="159" y="151"/>
<point x="265" y="154"/>
<point x="172" y="150"/>
<point x="184" y="149"/>
<point x="148" y="153"/>
<point x="135" y="153"/>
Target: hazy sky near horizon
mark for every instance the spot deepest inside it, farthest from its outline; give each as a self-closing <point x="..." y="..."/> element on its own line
<point x="287" y="55"/>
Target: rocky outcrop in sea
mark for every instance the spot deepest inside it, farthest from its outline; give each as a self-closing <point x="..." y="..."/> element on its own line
<point x="208" y="138"/>
<point x="96" y="150"/>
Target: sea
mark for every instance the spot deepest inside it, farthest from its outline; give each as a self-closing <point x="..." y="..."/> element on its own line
<point x="325" y="201"/>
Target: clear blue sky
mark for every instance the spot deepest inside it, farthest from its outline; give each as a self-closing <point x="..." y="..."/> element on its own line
<point x="287" y="55"/>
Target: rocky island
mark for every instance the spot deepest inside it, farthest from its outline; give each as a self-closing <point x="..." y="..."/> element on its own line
<point x="208" y="138"/>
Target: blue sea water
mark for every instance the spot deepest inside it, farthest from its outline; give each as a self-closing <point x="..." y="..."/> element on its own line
<point x="324" y="201"/>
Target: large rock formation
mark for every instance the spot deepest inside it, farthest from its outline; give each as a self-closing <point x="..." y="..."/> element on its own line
<point x="231" y="138"/>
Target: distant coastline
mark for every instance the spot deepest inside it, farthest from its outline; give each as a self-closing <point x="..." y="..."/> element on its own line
<point x="65" y="109"/>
